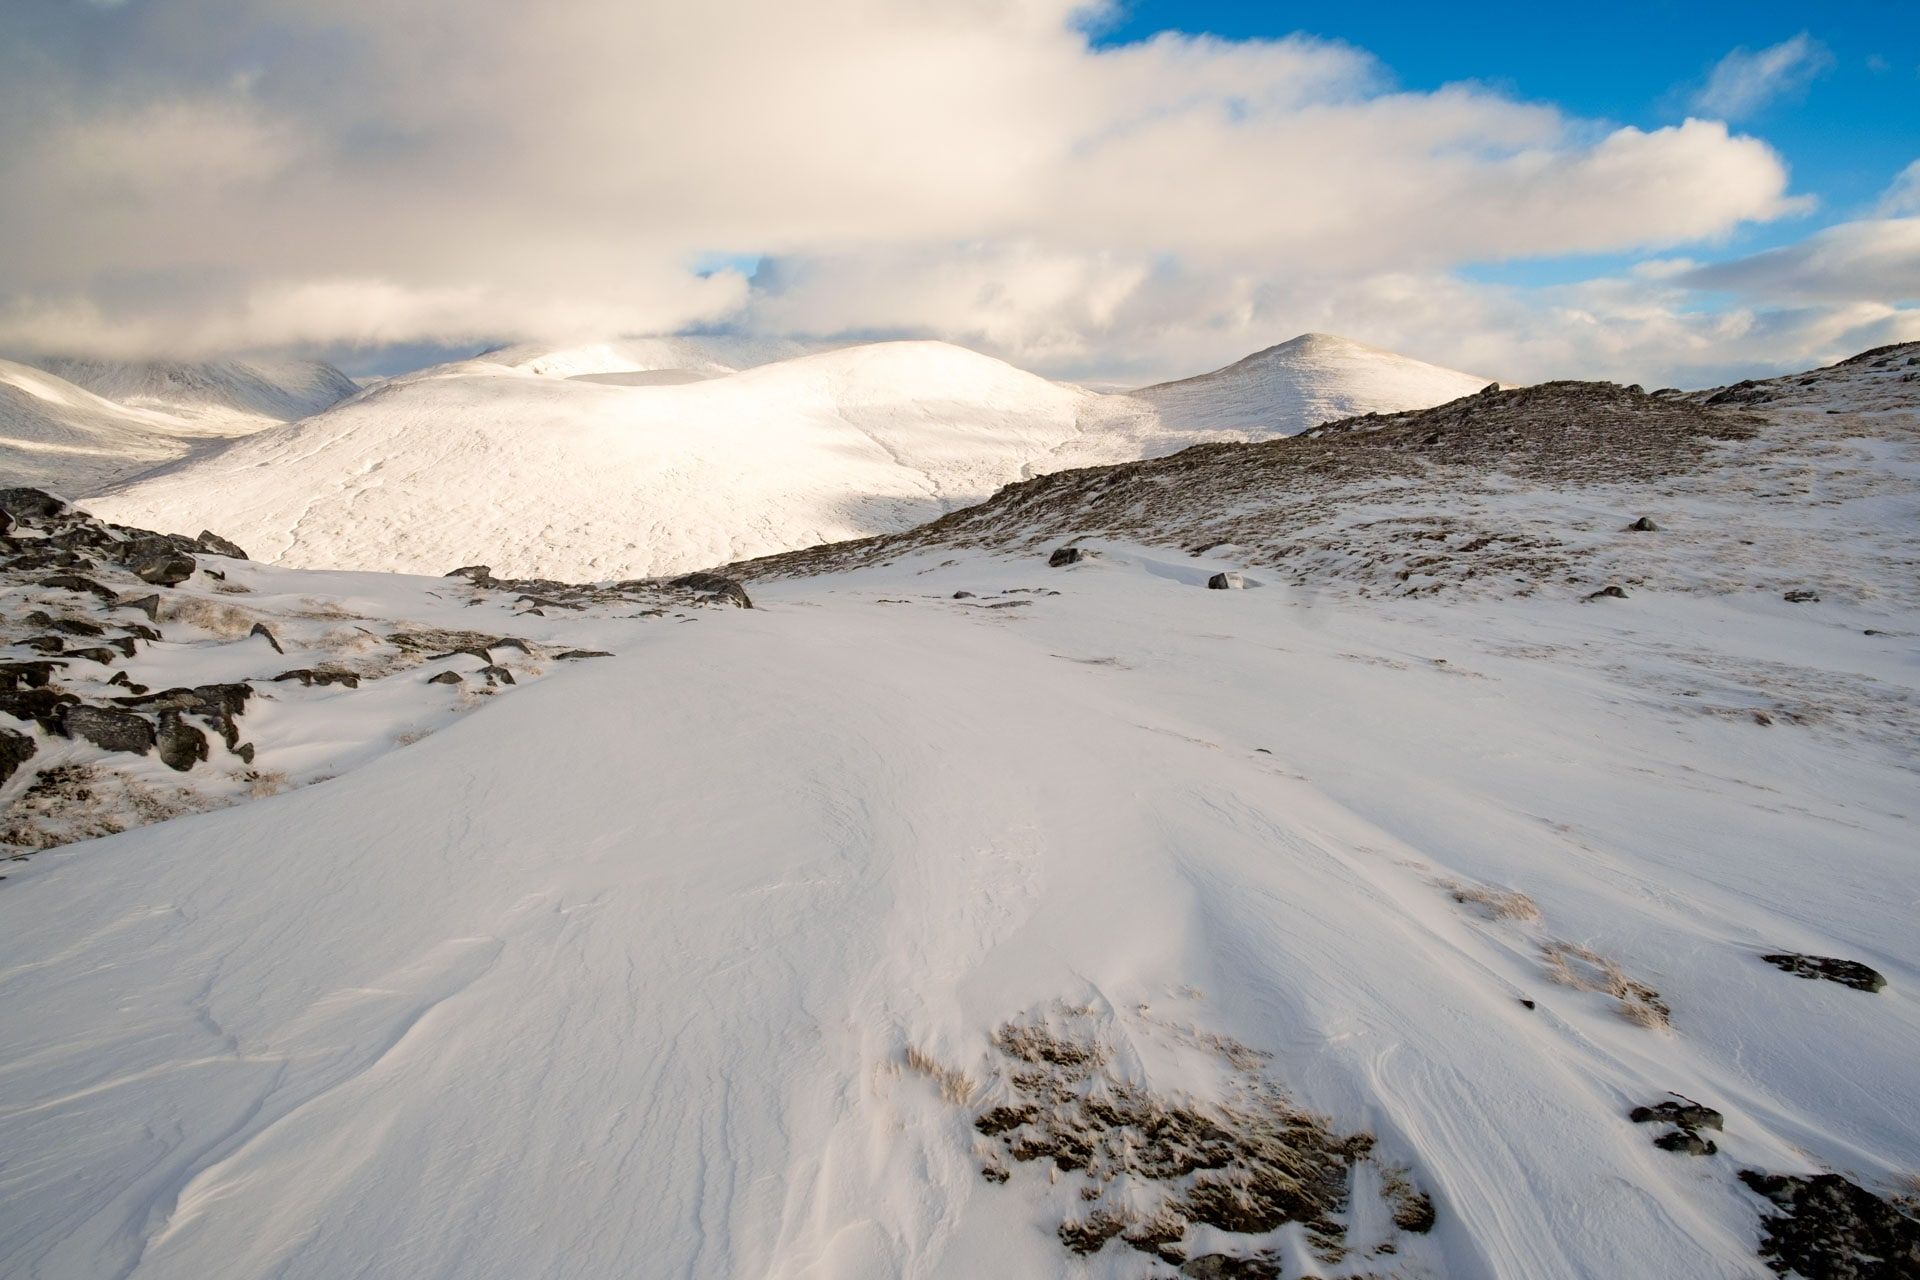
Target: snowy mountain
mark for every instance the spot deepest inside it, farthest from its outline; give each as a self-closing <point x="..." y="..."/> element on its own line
<point x="1311" y="379"/>
<point x="281" y="389"/>
<point x="563" y="477"/>
<point x="57" y="435"/>
<point x="661" y="454"/>
<point x="1496" y="877"/>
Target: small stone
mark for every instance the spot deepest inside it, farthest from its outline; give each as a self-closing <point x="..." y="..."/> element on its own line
<point x="1067" y="555"/>
<point x="108" y="728"/>
<point x="1228" y="581"/>
<point x="1609" y="593"/>
<point x="963" y="595"/>
<point x="1801" y="595"/>
<point x="1644" y="524"/>
<point x="260" y="629"/>
<point x="445" y="677"/>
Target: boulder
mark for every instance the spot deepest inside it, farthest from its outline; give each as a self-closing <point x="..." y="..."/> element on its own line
<point x="26" y="675"/>
<point x="76" y="583"/>
<point x="108" y="728"/>
<point x="1686" y="1142"/>
<point x="713" y="585"/>
<point x="1228" y="581"/>
<point x="1685" y="1113"/>
<point x="217" y="703"/>
<point x="164" y="569"/>
<point x="1848" y="973"/>
<point x="181" y="745"/>
<point x="1063" y="556"/>
<point x="16" y="749"/>
<point x="29" y="504"/>
<point x="446" y="677"/>
<point x="214" y="545"/>
<point x="1644" y="524"/>
<point x="42" y="706"/>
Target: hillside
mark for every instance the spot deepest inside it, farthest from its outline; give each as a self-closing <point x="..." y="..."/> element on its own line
<point x="569" y="478"/>
<point x="1312" y="379"/>
<point x="1422" y="909"/>
<point x="280" y="389"/>
<point x="60" y="436"/>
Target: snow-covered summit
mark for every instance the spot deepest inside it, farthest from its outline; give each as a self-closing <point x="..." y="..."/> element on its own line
<point x="58" y="435"/>
<point x="1301" y="383"/>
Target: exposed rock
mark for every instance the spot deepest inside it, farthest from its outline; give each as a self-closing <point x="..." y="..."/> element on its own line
<point x="1609" y="593"/>
<point x="496" y="674"/>
<point x="108" y="728"/>
<point x="309" y="676"/>
<point x="445" y="677"/>
<point x="1228" y="581"/>
<point x="261" y="629"/>
<point x="1221" y="1266"/>
<point x="1644" y="524"/>
<point x="75" y="582"/>
<point x="101" y="654"/>
<point x="214" y="545"/>
<point x="16" y="749"/>
<point x="218" y="703"/>
<point x="713" y="584"/>
<point x="42" y="706"/>
<point x="27" y="504"/>
<point x="963" y="595"/>
<point x="149" y="605"/>
<point x="25" y="675"/>
<point x="479" y="574"/>
<point x="1063" y="556"/>
<point x="1801" y="595"/>
<point x="1685" y="1142"/>
<point x="1848" y="973"/>
<point x="181" y="745"/>
<point x="165" y="569"/>
<point x="1685" y="1113"/>
<point x="571" y="654"/>
<point x="1828" y="1227"/>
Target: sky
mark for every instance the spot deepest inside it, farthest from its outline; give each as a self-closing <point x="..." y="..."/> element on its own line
<point x="1662" y="193"/>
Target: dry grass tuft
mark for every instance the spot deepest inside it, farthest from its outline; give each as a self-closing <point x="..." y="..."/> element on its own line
<point x="217" y="617"/>
<point x="1495" y="904"/>
<point x="956" y="1087"/>
<point x="1586" y="970"/>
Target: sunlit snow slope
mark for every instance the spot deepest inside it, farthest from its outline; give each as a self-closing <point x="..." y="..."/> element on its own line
<point x="1312" y="379"/>
<point x="280" y="389"/>
<point x="57" y="435"/>
<point x="569" y="478"/>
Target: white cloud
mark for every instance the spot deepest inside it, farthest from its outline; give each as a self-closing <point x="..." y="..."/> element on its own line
<point x="212" y="173"/>
<point x="1902" y="197"/>
<point x="1746" y="80"/>
<point x="1877" y="259"/>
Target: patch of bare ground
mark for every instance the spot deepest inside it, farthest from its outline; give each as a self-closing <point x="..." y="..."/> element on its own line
<point x="1147" y="1168"/>
<point x="1584" y="969"/>
<point x="72" y="802"/>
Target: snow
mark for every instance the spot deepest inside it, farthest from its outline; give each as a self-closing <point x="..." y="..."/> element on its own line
<point x="280" y="389"/>
<point x="689" y="962"/>
<point x="618" y="977"/>
<point x="581" y="480"/>
<point x="1312" y="379"/>
<point x="652" y="456"/>
<point x="56" y="435"/>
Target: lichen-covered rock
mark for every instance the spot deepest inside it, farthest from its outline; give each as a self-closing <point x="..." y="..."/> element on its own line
<point x="181" y="745"/>
<point x="164" y="569"/>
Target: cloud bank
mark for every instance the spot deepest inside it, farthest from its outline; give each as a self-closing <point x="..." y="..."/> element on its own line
<point x="221" y="174"/>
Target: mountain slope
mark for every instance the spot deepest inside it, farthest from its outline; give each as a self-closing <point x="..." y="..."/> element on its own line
<point x="56" y="435"/>
<point x="700" y="356"/>
<point x="1302" y="383"/>
<point x="280" y="389"/>
<point x="566" y="478"/>
<point x="948" y="914"/>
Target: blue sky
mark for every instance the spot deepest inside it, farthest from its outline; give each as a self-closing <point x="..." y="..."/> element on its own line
<point x="1845" y="133"/>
